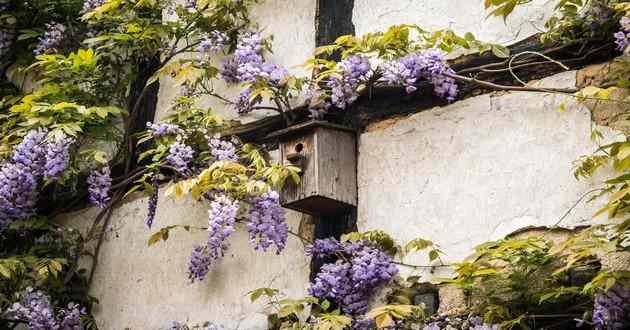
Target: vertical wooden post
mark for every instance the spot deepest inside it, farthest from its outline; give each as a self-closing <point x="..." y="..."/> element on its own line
<point x="332" y="20"/>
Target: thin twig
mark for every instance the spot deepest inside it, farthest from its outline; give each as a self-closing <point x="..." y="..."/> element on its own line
<point x="511" y="69"/>
<point x="117" y="197"/>
<point x="494" y="86"/>
<point x="422" y="266"/>
<point x="566" y="214"/>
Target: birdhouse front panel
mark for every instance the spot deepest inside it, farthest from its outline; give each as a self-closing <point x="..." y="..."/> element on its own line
<point x="327" y="157"/>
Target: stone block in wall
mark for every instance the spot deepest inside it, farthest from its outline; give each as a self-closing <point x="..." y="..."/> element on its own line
<point x="596" y="74"/>
<point x="613" y="112"/>
<point x="452" y="300"/>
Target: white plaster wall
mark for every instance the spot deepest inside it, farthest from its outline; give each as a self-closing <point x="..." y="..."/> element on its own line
<point x="476" y="170"/>
<point x="141" y="287"/>
<point x="460" y="15"/>
<point x="292" y="25"/>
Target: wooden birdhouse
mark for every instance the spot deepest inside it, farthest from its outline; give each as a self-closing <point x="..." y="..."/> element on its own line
<point x="326" y="153"/>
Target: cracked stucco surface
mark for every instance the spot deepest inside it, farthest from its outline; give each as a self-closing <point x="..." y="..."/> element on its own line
<point x="476" y="170"/>
<point x="142" y="287"/>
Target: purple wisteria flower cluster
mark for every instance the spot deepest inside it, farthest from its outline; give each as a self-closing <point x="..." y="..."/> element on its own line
<point x="429" y="65"/>
<point x="89" y="5"/>
<point x="248" y="65"/>
<point x="351" y="280"/>
<point x="30" y="152"/>
<point x="355" y="70"/>
<point x="32" y="158"/>
<point x="266" y="223"/>
<point x="612" y="309"/>
<point x="179" y="156"/>
<point x="52" y="39"/>
<point x="175" y="325"/>
<point x="99" y="186"/>
<point x="221" y="220"/>
<point x="163" y="129"/>
<point x="18" y="194"/>
<point x="152" y="204"/>
<point x="222" y="150"/>
<point x="363" y="324"/>
<point x="199" y="263"/>
<point x="464" y="323"/>
<point x="211" y="44"/>
<point x="57" y="156"/>
<point x="35" y="309"/>
<point x="622" y="38"/>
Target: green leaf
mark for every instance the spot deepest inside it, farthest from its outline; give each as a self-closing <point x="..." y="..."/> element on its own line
<point x="500" y="51"/>
<point x="433" y="254"/>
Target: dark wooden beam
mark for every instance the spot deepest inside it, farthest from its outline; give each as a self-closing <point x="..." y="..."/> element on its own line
<point x="333" y="19"/>
<point x="385" y="102"/>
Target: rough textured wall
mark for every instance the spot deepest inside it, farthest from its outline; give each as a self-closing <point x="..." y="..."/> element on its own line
<point x="460" y="15"/>
<point x="459" y="175"/>
<point x="142" y="287"/>
<point x="292" y="24"/>
<point x="476" y="170"/>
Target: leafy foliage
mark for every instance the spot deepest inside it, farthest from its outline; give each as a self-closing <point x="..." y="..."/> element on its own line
<point x="573" y="19"/>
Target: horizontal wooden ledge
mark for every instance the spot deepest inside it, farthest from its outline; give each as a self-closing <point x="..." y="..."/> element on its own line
<point x="380" y="103"/>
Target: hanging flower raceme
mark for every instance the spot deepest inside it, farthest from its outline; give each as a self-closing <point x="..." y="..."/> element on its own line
<point x="180" y="156"/>
<point x="351" y="280"/>
<point x="57" y="156"/>
<point x="622" y="38"/>
<point x="31" y="152"/>
<point x="18" y="193"/>
<point x="152" y="204"/>
<point x="99" y="186"/>
<point x="429" y="65"/>
<point x="612" y="309"/>
<point x="247" y="64"/>
<point x="35" y="309"/>
<point x="199" y="263"/>
<point x="222" y="150"/>
<point x="52" y="39"/>
<point x="221" y="219"/>
<point x="266" y="223"/>
<point x="355" y="70"/>
<point x="229" y="70"/>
